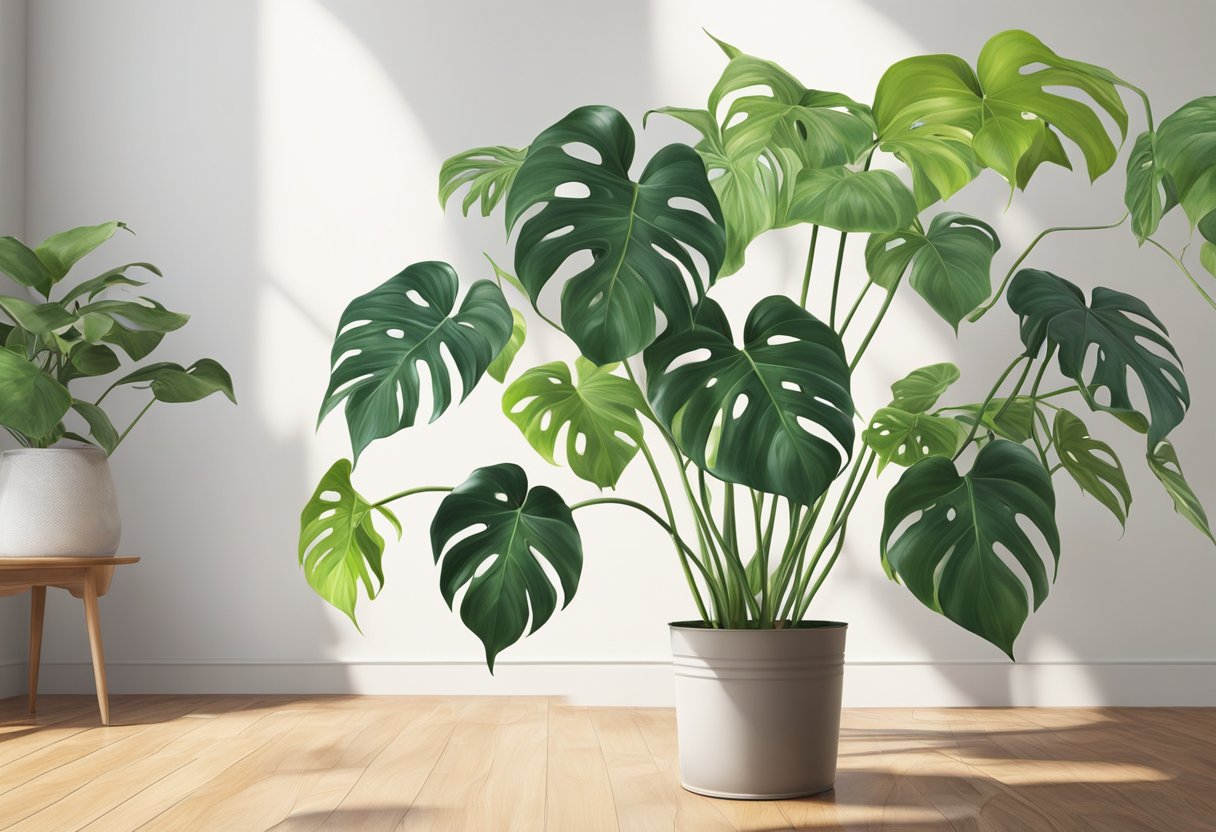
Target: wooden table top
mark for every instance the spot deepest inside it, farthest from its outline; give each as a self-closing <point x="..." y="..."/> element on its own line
<point x="53" y="562"/>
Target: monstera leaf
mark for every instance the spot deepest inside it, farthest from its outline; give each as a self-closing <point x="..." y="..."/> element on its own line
<point x="1163" y="462"/>
<point x="941" y="118"/>
<point x="1150" y="191"/>
<point x="1012" y="420"/>
<point x="868" y="200"/>
<point x="599" y="415"/>
<point x="951" y="262"/>
<point x="1186" y="151"/>
<point x="488" y="171"/>
<point x="920" y="389"/>
<point x="775" y="415"/>
<point x="500" y="563"/>
<point x="31" y="402"/>
<point x="339" y="545"/>
<point x="1122" y="327"/>
<point x="947" y="557"/>
<point x="906" y="438"/>
<point x="1093" y="464"/>
<point x="501" y="364"/>
<point x="407" y="320"/>
<point x="638" y="240"/>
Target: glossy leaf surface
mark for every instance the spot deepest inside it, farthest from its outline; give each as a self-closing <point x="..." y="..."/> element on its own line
<point x="1093" y="464"/>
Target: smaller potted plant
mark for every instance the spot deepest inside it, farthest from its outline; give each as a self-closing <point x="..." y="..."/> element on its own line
<point x="56" y="494"/>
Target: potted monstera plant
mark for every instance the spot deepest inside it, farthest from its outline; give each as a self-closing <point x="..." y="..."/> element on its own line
<point x="769" y="451"/>
<point x="56" y="494"/>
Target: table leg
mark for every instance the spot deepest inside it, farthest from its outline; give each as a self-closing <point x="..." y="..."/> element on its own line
<point x="37" y="613"/>
<point x="99" y="661"/>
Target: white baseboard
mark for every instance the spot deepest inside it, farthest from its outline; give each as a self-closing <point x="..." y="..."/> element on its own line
<point x="649" y="683"/>
<point x="12" y="678"/>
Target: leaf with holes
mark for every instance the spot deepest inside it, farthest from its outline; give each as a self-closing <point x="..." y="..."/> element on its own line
<point x="948" y="558"/>
<point x="870" y="200"/>
<point x="339" y="545"/>
<point x="775" y="415"/>
<point x="906" y="438"/>
<point x="385" y="334"/>
<point x="1122" y="327"/>
<point x="1093" y="464"/>
<point x="514" y="529"/>
<point x="1150" y="193"/>
<point x="1163" y="462"/>
<point x="951" y="262"/>
<point x="488" y="171"/>
<point x="920" y="389"/>
<point x="501" y="364"/>
<point x="599" y="415"/>
<point x="640" y="243"/>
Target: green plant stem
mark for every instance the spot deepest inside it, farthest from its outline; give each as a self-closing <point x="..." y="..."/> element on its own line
<point x="844" y="238"/>
<point x="979" y="414"/>
<point x="422" y="489"/>
<point x="1070" y="389"/>
<point x="806" y="273"/>
<point x="1017" y="388"/>
<point x="134" y="422"/>
<point x="856" y="305"/>
<point x="730" y="552"/>
<point x="1185" y="271"/>
<point x="882" y="313"/>
<point x="979" y="313"/>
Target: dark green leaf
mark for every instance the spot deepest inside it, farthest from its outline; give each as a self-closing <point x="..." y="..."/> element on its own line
<point x="920" y="389"/>
<point x="100" y="426"/>
<point x="145" y="316"/>
<point x="599" y="415"/>
<point x="872" y="200"/>
<point x="502" y="362"/>
<point x="488" y="171"/>
<point x="384" y="334"/>
<point x="501" y="563"/>
<point x="1053" y="311"/>
<point x="31" y="402"/>
<point x="59" y="252"/>
<point x="1093" y="464"/>
<point x="92" y="287"/>
<point x="637" y="239"/>
<point x="92" y="360"/>
<point x="339" y="545"/>
<point x="21" y="264"/>
<point x="137" y="344"/>
<point x="1186" y="151"/>
<point x="1013" y="422"/>
<point x="775" y="415"/>
<point x="174" y="383"/>
<point x="1163" y="462"/>
<point x="39" y="319"/>
<point x="906" y="438"/>
<point x="947" y="557"/>
<point x="1207" y="257"/>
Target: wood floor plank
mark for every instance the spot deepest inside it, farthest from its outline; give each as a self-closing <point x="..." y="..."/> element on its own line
<point x="579" y="791"/>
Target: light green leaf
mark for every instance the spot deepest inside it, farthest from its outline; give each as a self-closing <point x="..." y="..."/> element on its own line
<point x="1150" y="192"/>
<point x="92" y="360"/>
<point x="39" y="319"/>
<point x="951" y="262"/>
<point x="94" y="327"/>
<point x="136" y="343"/>
<point x="384" y="334"/>
<point x="92" y="287"/>
<point x="502" y="362"/>
<point x="920" y="389"/>
<point x="599" y="415"/>
<point x="174" y="383"/>
<point x="1163" y="462"/>
<point x="753" y="415"/>
<point x="1207" y="257"/>
<point x="488" y="171"/>
<point x="22" y="265"/>
<point x="339" y="545"/>
<point x="501" y="563"/>
<point x="1186" y="148"/>
<point x="947" y="557"/>
<point x="637" y="239"/>
<point x="1013" y="422"/>
<point x="59" y="252"/>
<point x="906" y="438"/>
<point x="502" y="275"/>
<point x="144" y="315"/>
<point x="31" y="402"/>
<point x="1122" y="327"/>
<point x="100" y="426"/>
<point x="1093" y="464"/>
<point x="872" y="200"/>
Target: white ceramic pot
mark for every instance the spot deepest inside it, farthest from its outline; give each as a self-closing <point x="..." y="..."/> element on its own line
<point x="758" y="711"/>
<point x="57" y="501"/>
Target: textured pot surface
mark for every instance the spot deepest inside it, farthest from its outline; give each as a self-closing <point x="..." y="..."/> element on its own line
<point x="57" y="501"/>
<point x="758" y="711"/>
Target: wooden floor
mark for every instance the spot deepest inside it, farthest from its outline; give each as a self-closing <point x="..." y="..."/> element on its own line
<point x="385" y="763"/>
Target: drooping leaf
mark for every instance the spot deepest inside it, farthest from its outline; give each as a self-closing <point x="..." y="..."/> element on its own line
<point x="871" y="200"/>
<point x="1186" y="151"/>
<point x="1012" y="420"/>
<point x="501" y="364"/>
<point x="502" y="274"/>
<point x="339" y="545"/>
<point x="637" y="239"/>
<point x="951" y="262"/>
<point x="19" y="262"/>
<point x="906" y="438"/>
<point x="92" y="287"/>
<point x="38" y="319"/>
<point x="59" y="252"/>
<point x="142" y="315"/>
<point x="136" y="343"/>
<point x="501" y="563"/>
<point x="384" y="334"/>
<point x="177" y="384"/>
<point x="1149" y="194"/>
<point x="1053" y="311"/>
<point x="1163" y="462"/>
<point x="598" y="413"/>
<point x="775" y="415"/>
<point x="1093" y="464"/>
<point x="31" y="402"/>
<point x="100" y="426"/>
<point x="947" y="557"/>
<point x="488" y="171"/>
<point x="87" y="360"/>
<point x="920" y="389"/>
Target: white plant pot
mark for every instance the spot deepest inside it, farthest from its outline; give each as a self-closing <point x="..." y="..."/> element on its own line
<point x="57" y="501"/>
<point x="758" y="711"/>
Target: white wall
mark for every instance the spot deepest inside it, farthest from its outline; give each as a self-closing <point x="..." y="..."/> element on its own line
<point x="278" y="158"/>
<point x="13" y="610"/>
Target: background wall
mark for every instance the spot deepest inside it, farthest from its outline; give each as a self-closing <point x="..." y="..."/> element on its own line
<point x="278" y="158"/>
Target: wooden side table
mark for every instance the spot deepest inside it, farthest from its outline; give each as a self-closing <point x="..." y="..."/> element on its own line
<point x="87" y="578"/>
